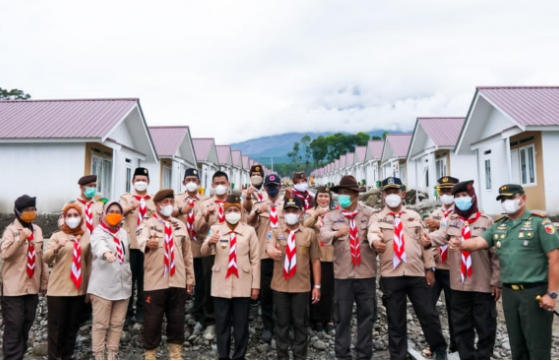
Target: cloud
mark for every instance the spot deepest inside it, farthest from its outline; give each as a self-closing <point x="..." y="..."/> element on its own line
<point x="244" y="69"/>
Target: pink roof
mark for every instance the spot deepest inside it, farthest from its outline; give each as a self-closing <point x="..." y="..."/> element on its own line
<point x="167" y="140"/>
<point x="237" y="158"/>
<point x="245" y="162"/>
<point x="250" y="162"/>
<point x="202" y="147"/>
<point x="444" y="132"/>
<point x="399" y="143"/>
<point x="349" y="159"/>
<point x="526" y="105"/>
<point x="375" y="148"/>
<point x="343" y="159"/>
<point x="64" y="118"/>
<point x="360" y="153"/>
<point x="336" y="164"/>
<point x="223" y="152"/>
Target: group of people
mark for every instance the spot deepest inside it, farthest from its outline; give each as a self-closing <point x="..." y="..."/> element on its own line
<point x="305" y="259"/>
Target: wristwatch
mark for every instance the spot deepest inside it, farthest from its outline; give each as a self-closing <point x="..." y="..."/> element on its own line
<point x="430" y="269"/>
<point x="552" y="294"/>
<point x="318" y="287"/>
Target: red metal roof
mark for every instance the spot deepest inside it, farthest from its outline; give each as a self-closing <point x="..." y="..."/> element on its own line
<point x="202" y="147"/>
<point x="64" y="118"/>
<point x="223" y="153"/>
<point x="375" y="148"/>
<point x="443" y="131"/>
<point x="237" y="158"/>
<point x="360" y="154"/>
<point x="399" y="143"/>
<point x="529" y="106"/>
<point x="167" y="140"/>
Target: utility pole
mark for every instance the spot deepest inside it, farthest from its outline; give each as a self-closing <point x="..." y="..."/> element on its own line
<point x="272" y="163"/>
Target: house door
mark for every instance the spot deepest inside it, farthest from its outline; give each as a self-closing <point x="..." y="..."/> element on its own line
<point x="102" y="168"/>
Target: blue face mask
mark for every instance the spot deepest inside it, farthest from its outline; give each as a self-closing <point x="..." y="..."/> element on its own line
<point x="344" y="200"/>
<point x="272" y="192"/>
<point x="90" y="192"/>
<point x="463" y="203"/>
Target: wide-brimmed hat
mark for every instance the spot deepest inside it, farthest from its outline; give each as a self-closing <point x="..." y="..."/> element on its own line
<point x="348" y="182"/>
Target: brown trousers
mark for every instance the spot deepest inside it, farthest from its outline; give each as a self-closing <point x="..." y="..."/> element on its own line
<point x="107" y="315"/>
<point x="63" y="325"/>
<point x="169" y="303"/>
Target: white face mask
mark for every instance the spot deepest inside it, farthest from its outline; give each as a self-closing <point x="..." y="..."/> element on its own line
<point x="301" y="187"/>
<point x="233" y="218"/>
<point x="291" y="218"/>
<point x="511" y="206"/>
<point x="256" y="180"/>
<point x="191" y="187"/>
<point x="140" y="186"/>
<point x="220" y="190"/>
<point x="166" y="211"/>
<point x="447" y="199"/>
<point x="73" y="222"/>
<point x="393" y="200"/>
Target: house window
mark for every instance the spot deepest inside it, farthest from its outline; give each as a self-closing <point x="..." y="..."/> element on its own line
<point x="167" y="177"/>
<point x="427" y="177"/>
<point x="102" y="168"/>
<point x="527" y="165"/>
<point x="128" y="179"/>
<point x="441" y="167"/>
<point x="487" y="174"/>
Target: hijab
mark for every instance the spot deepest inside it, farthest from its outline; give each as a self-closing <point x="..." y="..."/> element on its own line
<point x="78" y="231"/>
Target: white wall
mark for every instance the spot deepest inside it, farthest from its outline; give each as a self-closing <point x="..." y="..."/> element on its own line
<point x="119" y="168"/>
<point x="495" y="123"/>
<point x="463" y="167"/>
<point x="550" y="145"/>
<point x="122" y="135"/>
<point x="154" y="176"/>
<point x="499" y="175"/>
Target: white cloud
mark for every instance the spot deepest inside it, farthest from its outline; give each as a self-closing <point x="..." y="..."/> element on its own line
<point x="266" y="67"/>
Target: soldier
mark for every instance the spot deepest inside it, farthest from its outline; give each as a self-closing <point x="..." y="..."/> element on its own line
<point x="235" y="277"/>
<point x="255" y="192"/>
<point x="169" y="275"/>
<point x="406" y="268"/>
<point x="294" y="250"/>
<point x="91" y="209"/>
<point x="137" y="205"/>
<point x="528" y="248"/>
<point x="267" y="216"/>
<point x="474" y="277"/>
<point x="300" y="190"/>
<point x="25" y="276"/>
<point x="355" y="269"/>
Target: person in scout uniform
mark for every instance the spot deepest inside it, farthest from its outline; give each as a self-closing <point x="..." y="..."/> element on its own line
<point x="25" y="276"/>
<point x="137" y="205"/>
<point x="322" y="312"/>
<point x="235" y="278"/>
<point x="439" y="218"/>
<point x="255" y="192"/>
<point x="474" y="277"/>
<point x="407" y="269"/>
<point x="294" y="250"/>
<point x="92" y="210"/>
<point x="265" y="217"/>
<point x="169" y="275"/>
<point x="300" y="190"/>
<point x="528" y="248"/>
<point x="355" y="269"/>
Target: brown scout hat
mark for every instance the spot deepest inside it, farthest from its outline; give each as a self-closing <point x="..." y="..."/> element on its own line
<point x="87" y="179"/>
<point x="298" y="175"/>
<point x="232" y="200"/>
<point x="348" y="182"/>
<point x="257" y="168"/>
<point x="162" y="194"/>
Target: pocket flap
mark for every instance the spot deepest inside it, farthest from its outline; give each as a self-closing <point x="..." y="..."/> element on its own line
<point x="215" y="268"/>
<point x="246" y="269"/>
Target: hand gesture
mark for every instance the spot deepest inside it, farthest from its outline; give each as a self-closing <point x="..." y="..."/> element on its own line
<point x="250" y="191"/>
<point x="254" y="294"/>
<point x="262" y="208"/>
<point x="321" y="212"/>
<point x="186" y="208"/>
<point x="379" y="245"/>
<point x="61" y="244"/>
<point x="315" y="295"/>
<point x="454" y="243"/>
<point x="288" y="193"/>
<point x="344" y="231"/>
<point x="425" y="240"/>
<point x="25" y="233"/>
<point x="214" y="238"/>
<point x="274" y="252"/>
<point x="189" y="289"/>
<point x="109" y="257"/>
<point x="547" y="303"/>
<point x="153" y="242"/>
<point x="432" y="223"/>
<point x="210" y="210"/>
<point x="496" y="292"/>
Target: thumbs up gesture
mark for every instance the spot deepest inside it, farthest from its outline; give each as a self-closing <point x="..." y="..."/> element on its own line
<point x="379" y="245"/>
<point x="214" y="238"/>
<point x="274" y="252"/>
<point x="109" y="257"/>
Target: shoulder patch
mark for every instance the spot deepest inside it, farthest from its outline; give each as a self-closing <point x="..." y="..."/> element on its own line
<point x="550" y="229"/>
<point x="538" y="214"/>
<point x="500" y="218"/>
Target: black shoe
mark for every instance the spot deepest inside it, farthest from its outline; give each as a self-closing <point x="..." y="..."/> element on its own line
<point x="440" y="354"/>
<point x="267" y="336"/>
<point x="330" y="327"/>
<point x="453" y="349"/>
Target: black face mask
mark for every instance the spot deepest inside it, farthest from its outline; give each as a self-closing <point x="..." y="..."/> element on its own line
<point x="272" y="191"/>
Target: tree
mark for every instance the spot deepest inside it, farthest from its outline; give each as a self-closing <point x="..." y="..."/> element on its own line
<point x="384" y="134"/>
<point x="294" y="154"/>
<point x="305" y="143"/>
<point x="319" y="149"/>
<point x="13" y="94"/>
<point x="362" y="138"/>
<point x="376" y="137"/>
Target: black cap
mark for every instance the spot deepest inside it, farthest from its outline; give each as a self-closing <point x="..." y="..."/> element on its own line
<point x="509" y="190"/>
<point x="257" y="168"/>
<point x="191" y="172"/>
<point x="272" y="179"/>
<point x="141" y="171"/>
<point x="447" y="182"/>
<point x="392" y="182"/>
<point x="25" y="201"/>
<point x="465" y="186"/>
<point x="87" y="179"/>
<point x="292" y="203"/>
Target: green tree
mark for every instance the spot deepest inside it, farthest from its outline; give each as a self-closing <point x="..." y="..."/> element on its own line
<point x="376" y="137"/>
<point x="305" y="143"/>
<point x="294" y="154"/>
<point x="384" y="134"/>
<point x="361" y="138"/>
<point x="319" y="149"/>
<point x="14" y="94"/>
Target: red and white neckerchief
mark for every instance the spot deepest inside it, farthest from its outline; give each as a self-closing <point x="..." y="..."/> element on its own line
<point x="116" y="240"/>
<point x="259" y="196"/>
<point x="466" y="264"/>
<point x="169" y="256"/>
<point x="320" y="224"/>
<point x="273" y="216"/>
<point x="221" y="212"/>
<point x="353" y="238"/>
<point x="76" y="271"/>
<point x="88" y="215"/>
<point x="290" y="261"/>
<point x="399" y="243"/>
<point x="142" y="209"/>
<point x="305" y="196"/>
<point x="190" y="218"/>
<point x="443" y="250"/>
<point x="232" y="267"/>
<point x="30" y="256"/>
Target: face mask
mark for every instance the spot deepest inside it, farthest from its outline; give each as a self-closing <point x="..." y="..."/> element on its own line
<point x="301" y="187"/>
<point x="140" y="186"/>
<point x="73" y="222"/>
<point x="28" y="217"/>
<point x="291" y="218"/>
<point x="233" y="218"/>
<point x="166" y="211"/>
<point x="447" y="199"/>
<point x="191" y="187"/>
<point x="272" y="192"/>
<point x="256" y="180"/>
<point x="463" y="203"/>
<point x="393" y="200"/>
<point x="220" y="190"/>
<point x="344" y="200"/>
<point x="114" y="219"/>
<point x="511" y="206"/>
<point x="90" y="192"/>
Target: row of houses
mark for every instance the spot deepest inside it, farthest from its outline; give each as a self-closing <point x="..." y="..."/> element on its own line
<point x="509" y="135"/>
<point x="47" y="145"/>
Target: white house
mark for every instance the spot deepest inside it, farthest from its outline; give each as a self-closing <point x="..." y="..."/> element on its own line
<point x="372" y="162"/>
<point x="513" y="132"/>
<point x="431" y="154"/>
<point x="225" y="161"/>
<point x="208" y="164"/>
<point x="236" y="177"/>
<point x="359" y="164"/>
<point x="394" y="153"/>
<point x="349" y="164"/>
<point x="47" y="145"/>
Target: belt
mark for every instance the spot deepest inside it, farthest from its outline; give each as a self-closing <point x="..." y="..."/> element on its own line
<point x="523" y="286"/>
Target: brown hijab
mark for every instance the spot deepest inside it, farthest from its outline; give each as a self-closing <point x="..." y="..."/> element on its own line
<point x="78" y="231"/>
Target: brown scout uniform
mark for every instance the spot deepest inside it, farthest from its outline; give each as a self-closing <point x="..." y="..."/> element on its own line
<point x="326" y="250"/>
<point x="262" y="224"/>
<point x="131" y="219"/>
<point x="438" y="215"/>
<point x="199" y="224"/>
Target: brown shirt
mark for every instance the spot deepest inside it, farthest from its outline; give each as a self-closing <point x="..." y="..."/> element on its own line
<point x="307" y="250"/>
<point x="204" y="226"/>
<point x="14" y="269"/>
<point x="201" y="232"/>
<point x="438" y="215"/>
<point x="96" y="211"/>
<point x="315" y="223"/>
<point x="343" y="266"/>
<point x="418" y="259"/>
<point x="485" y="263"/>
<point x="248" y="261"/>
<point x="60" y="283"/>
<point x="262" y="223"/>
<point x="131" y="219"/>
<point x="154" y="267"/>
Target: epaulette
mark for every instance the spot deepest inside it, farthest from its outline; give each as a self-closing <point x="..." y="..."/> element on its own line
<point x="501" y="218"/>
<point x="538" y="214"/>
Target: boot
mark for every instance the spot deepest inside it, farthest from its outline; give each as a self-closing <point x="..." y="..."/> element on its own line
<point x="151" y="354"/>
<point x="100" y="355"/>
<point x="112" y="355"/>
<point x="175" y="351"/>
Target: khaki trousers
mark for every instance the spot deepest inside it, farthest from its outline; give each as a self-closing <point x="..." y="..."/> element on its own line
<point x="107" y="315"/>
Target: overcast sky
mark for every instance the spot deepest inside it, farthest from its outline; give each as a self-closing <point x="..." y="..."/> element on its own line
<point x="236" y="70"/>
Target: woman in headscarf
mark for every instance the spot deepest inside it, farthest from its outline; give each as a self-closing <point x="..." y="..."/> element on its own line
<point x="321" y="312"/>
<point x="24" y="274"/>
<point x="69" y="254"/>
<point x="110" y="284"/>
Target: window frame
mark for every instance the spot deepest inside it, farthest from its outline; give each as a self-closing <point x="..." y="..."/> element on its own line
<point x="488" y="179"/>
<point x="526" y="171"/>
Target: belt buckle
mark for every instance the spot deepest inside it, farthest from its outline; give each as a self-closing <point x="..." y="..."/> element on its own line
<point x="517" y="287"/>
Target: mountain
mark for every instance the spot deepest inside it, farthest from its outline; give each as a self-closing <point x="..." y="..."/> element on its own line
<point x="277" y="146"/>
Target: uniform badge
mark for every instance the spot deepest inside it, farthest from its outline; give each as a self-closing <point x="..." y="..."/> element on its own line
<point x="281" y="237"/>
<point x="529" y="234"/>
<point x="550" y="229"/>
<point x="269" y="235"/>
<point x="521" y="234"/>
<point x="502" y="236"/>
<point x="525" y="243"/>
<point x="496" y="237"/>
<point x="546" y="221"/>
<point x="498" y="244"/>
